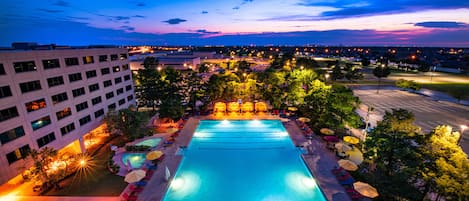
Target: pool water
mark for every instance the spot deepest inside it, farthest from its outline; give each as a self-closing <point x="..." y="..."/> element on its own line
<point x="152" y="142"/>
<point x="242" y="161"/>
<point x="135" y="159"/>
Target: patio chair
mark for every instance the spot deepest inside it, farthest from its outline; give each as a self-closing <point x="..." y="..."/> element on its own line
<point x="140" y="183"/>
<point x="347" y="182"/>
<point x="129" y="196"/>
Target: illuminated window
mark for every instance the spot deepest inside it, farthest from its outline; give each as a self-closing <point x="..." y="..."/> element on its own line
<point x="18" y="154"/>
<point x="123" y="56"/>
<point x="63" y="113"/>
<point x="51" y="63"/>
<point x="24" y="66"/>
<point x="42" y="122"/>
<point x="35" y="105"/>
<point x="88" y="60"/>
<point x="116" y="69"/>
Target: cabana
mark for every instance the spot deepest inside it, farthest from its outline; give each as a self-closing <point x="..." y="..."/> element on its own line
<point x="233" y="107"/>
<point x="261" y="107"/>
<point x="219" y="107"/>
<point x="247" y="107"/>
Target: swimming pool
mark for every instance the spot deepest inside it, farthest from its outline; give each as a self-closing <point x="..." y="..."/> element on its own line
<point x="152" y="142"/>
<point x="135" y="159"/>
<point x="242" y="161"/>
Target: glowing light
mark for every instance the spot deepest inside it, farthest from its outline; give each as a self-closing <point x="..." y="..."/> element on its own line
<point x="309" y="182"/>
<point x="225" y="122"/>
<point x="82" y="162"/>
<point x="177" y="183"/>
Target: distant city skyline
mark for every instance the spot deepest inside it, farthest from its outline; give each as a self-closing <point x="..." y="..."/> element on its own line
<point x="237" y="22"/>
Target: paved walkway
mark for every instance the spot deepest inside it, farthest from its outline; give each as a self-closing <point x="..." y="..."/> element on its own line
<point x="320" y="161"/>
<point x="58" y="198"/>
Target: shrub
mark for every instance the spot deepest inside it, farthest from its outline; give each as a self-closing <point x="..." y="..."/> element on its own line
<point x="407" y="84"/>
<point x="137" y="148"/>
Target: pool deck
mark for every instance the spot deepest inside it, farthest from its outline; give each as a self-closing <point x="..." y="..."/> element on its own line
<point x="320" y="162"/>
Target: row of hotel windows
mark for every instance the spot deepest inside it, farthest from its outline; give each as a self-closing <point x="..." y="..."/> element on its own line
<point x="27" y="66"/>
<point x="18" y="132"/>
<point x="25" y="87"/>
<point x="35" y="105"/>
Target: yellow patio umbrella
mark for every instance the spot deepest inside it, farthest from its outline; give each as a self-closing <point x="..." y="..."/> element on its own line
<point x="304" y="119"/>
<point x="351" y="140"/>
<point x="341" y="147"/>
<point x="135" y="176"/>
<point x="171" y="130"/>
<point x="347" y="165"/>
<point x="326" y="131"/>
<point x="365" y="189"/>
<point x="293" y="109"/>
<point x="153" y="155"/>
<point x="355" y="156"/>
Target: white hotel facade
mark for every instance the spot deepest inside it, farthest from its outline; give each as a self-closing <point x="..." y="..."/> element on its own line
<point x="54" y="97"/>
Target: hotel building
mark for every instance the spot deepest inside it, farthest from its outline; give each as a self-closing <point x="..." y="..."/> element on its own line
<point x="54" y="97"/>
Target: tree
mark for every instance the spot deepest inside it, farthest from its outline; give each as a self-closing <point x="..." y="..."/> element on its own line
<point x="42" y="169"/>
<point x="365" y="62"/>
<point x="352" y="73"/>
<point x="131" y="123"/>
<point x="446" y="169"/>
<point x="337" y="73"/>
<point x="380" y="72"/>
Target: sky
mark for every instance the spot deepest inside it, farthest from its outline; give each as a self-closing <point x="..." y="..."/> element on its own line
<point x="442" y="23"/>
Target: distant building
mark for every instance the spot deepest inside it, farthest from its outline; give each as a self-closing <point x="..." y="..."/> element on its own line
<point x="54" y="97"/>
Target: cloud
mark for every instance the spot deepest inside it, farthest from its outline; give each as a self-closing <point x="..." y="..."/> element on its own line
<point x="127" y="28"/>
<point x="61" y="3"/>
<point x="50" y="10"/>
<point x="138" y="16"/>
<point x="204" y="12"/>
<point x="120" y="18"/>
<point x="235" y="8"/>
<point x="246" y="1"/>
<point x="175" y="21"/>
<point x="351" y="8"/>
<point x="441" y="24"/>
<point x="78" y="18"/>
<point x="203" y="31"/>
<point x="140" y="4"/>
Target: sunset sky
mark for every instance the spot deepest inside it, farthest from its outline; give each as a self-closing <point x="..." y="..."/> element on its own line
<point x="236" y="22"/>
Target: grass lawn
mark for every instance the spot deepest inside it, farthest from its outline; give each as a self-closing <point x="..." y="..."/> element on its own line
<point x="457" y="90"/>
<point x="96" y="181"/>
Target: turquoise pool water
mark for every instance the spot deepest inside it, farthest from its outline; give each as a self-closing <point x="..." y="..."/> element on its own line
<point x="135" y="159"/>
<point x="152" y="142"/>
<point x="242" y="161"/>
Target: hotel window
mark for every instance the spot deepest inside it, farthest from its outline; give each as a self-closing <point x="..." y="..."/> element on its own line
<point x="114" y="57"/>
<point x="78" y="92"/>
<point x="81" y="106"/>
<point x="105" y="71"/>
<point x="11" y="134"/>
<point x="117" y="80"/>
<point x="125" y="67"/>
<point x="59" y="98"/>
<point x="67" y="129"/>
<point x="129" y="98"/>
<point x="102" y="58"/>
<point x="119" y="91"/>
<point x="63" y="113"/>
<point x="111" y="106"/>
<point x="45" y="140"/>
<point x="88" y="59"/>
<point x="25" y="66"/>
<point x="5" y="92"/>
<point x="71" y="61"/>
<point x="8" y="113"/>
<point x="85" y="120"/>
<point x="55" y="81"/>
<point x="2" y="70"/>
<point x="128" y="87"/>
<point x="18" y="154"/>
<point x="96" y="100"/>
<point x="121" y="101"/>
<point x="74" y="77"/>
<point x="90" y="74"/>
<point x="126" y="77"/>
<point x="116" y="69"/>
<point x="110" y="95"/>
<point x="93" y="87"/>
<point x="42" y="122"/>
<point x="51" y="63"/>
<point x="30" y="86"/>
<point x="98" y="113"/>
<point x="35" y="105"/>
<point x="123" y="56"/>
<point x="107" y="83"/>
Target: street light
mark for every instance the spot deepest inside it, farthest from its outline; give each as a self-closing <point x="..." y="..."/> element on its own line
<point x="302" y="67"/>
<point x="431" y="73"/>
<point x="327" y="77"/>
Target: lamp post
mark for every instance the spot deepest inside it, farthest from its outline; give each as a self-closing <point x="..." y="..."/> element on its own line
<point x="463" y="127"/>
<point x="431" y="73"/>
<point x="326" y="76"/>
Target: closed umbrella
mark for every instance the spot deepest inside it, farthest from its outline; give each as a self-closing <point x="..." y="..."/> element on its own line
<point x="341" y="147"/>
<point x="347" y="165"/>
<point x="326" y="131"/>
<point x="355" y="155"/>
<point x="351" y="140"/>
<point x="153" y="155"/>
<point x="365" y="189"/>
<point x="135" y="176"/>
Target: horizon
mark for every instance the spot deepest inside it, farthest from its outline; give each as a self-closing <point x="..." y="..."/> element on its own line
<point x="367" y="23"/>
